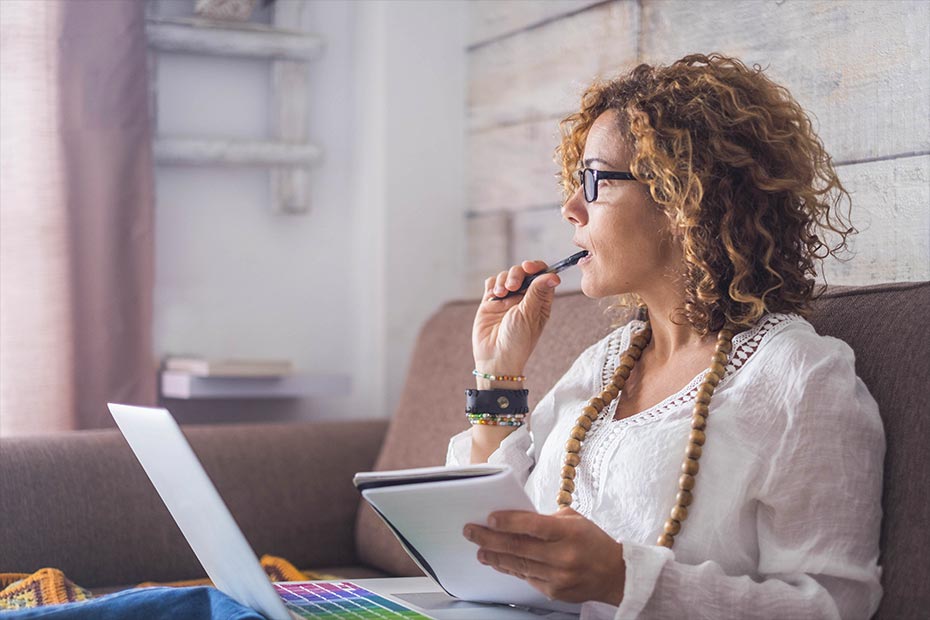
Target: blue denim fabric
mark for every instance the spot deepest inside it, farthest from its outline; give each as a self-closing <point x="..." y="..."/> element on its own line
<point x="148" y="604"/>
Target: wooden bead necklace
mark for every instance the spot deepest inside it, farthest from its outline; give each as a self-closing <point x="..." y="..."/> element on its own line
<point x="689" y="467"/>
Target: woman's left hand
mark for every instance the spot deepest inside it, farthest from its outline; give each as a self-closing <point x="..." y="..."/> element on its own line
<point x="565" y="556"/>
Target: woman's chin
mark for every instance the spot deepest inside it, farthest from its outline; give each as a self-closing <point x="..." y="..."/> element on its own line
<point x="590" y="289"/>
<point x="595" y="290"/>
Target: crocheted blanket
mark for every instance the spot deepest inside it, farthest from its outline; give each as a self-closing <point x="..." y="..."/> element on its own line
<point x="47" y="586"/>
<point x="50" y="586"/>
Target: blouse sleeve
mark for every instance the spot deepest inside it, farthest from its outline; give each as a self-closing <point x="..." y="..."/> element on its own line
<point x="818" y="513"/>
<point x="521" y="448"/>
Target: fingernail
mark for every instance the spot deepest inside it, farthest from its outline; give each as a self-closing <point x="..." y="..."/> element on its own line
<point x="551" y="283"/>
<point x="492" y="521"/>
<point x="482" y="557"/>
<point x="469" y="533"/>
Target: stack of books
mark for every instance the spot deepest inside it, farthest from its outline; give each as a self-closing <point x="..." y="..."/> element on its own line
<point x="202" y="367"/>
<point x="198" y="377"/>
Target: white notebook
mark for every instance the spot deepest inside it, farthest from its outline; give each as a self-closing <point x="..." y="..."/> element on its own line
<point x="427" y="509"/>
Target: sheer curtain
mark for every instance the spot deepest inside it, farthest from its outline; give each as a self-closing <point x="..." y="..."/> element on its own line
<point x="76" y="213"/>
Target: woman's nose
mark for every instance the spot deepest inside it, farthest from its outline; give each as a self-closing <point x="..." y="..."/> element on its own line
<point x="575" y="209"/>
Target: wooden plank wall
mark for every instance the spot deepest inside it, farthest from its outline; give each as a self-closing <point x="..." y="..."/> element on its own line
<point x="861" y="68"/>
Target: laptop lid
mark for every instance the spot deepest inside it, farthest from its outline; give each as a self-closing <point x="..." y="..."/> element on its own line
<point x="197" y="508"/>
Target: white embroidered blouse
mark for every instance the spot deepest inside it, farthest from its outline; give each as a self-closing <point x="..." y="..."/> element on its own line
<point x="786" y="513"/>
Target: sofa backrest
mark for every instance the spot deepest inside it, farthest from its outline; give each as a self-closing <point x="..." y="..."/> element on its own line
<point x="81" y="502"/>
<point x="887" y="328"/>
<point x="885" y="325"/>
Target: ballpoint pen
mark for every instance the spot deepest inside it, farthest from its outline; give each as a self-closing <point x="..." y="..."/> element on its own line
<point x="558" y="267"/>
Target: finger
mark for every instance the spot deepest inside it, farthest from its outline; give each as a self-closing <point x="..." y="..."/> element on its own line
<point x="533" y="266"/>
<point x="489" y="285"/>
<point x="499" y="289"/>
<point x="543" y="285"/>
<point x="514" y="565"/>
<point x="538" y="298"/>
<point x="511" y="544"/>
<point x="543" y="527"/>
<point x="515" y="278"/>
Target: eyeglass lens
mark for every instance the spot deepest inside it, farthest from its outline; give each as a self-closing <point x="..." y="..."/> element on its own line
<point x="589" y="181"/>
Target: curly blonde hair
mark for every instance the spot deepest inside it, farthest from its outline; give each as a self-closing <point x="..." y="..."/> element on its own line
<point x="735" y="163"/>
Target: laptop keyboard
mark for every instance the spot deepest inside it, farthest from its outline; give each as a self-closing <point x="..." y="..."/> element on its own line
<point x="338" y="600"/>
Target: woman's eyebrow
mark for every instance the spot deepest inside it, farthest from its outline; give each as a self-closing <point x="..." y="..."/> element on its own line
<point x="592" y="160"/>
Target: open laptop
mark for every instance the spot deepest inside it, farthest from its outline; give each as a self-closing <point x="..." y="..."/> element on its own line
<point x="229" y="561"/>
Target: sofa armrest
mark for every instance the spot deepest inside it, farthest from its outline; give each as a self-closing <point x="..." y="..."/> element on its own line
<point x="82" y="503"/>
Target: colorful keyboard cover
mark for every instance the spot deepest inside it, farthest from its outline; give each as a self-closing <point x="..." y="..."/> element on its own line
<point x="340" y="599"/>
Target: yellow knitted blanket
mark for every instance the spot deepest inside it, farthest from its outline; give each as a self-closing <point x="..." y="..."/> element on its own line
<point x="49" y="586"/>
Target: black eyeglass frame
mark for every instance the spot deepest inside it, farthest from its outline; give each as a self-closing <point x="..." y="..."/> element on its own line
<point x="592" y="176"/>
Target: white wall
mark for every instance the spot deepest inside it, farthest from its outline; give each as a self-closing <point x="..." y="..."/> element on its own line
<point x="341" y="289"/>
<point x="411" y="107"/>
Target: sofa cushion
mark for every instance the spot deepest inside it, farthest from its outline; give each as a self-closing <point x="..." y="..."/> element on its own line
<point x="884" y="325"/>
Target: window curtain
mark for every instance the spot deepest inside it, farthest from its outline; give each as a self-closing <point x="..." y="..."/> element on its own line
<point x="76" y="214"/>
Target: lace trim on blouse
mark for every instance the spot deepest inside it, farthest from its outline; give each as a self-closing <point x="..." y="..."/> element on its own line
<point x="605" y="431"/>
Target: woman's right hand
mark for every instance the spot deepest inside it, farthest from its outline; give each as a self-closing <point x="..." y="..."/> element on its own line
<point x="506" y="332"/>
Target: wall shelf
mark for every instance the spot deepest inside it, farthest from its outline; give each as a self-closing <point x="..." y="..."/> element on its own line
<point x="186" y="386"/>
<point x="287" y="154"/>
<point x="202" y="36"/>
<point x="202" y="152"/>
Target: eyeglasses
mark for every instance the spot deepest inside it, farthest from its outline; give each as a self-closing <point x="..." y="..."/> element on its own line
<point x="588" y="177"/>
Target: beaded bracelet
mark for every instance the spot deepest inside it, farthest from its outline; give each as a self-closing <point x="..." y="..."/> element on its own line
<point x="495" y="416"/>
<point x="483" y="375"/>
<point x="492" y="419"/>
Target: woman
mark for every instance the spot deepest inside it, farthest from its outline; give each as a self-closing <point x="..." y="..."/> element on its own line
<point x="701" y="197"/>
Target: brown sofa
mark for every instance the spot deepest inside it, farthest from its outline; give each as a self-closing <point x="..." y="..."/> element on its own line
<point x="81" y="502"/>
